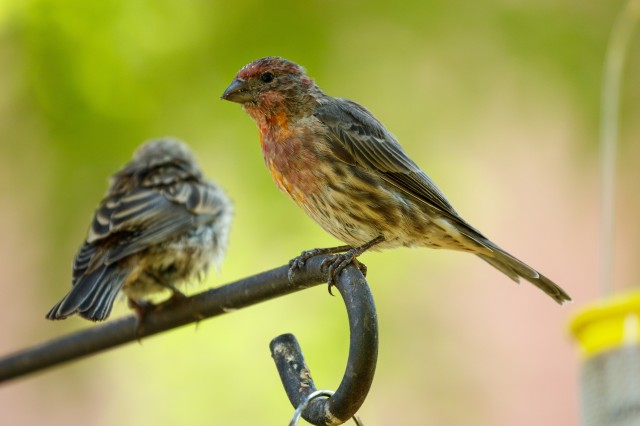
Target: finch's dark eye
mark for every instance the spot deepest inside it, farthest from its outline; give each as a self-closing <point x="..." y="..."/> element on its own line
<point x="267" y="77"/>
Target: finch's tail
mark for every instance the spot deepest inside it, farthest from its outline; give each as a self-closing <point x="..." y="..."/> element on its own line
<point x="92" y="296"/>
<point x="515" y="269"/>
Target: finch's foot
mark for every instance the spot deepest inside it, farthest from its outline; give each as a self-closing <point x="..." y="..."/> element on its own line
<point x="141" y="308"/>
<point x="176" y="298"/>
<point x="298" y="262"/>
<point x="337" y="263"/>
<point x="340" y="261"/>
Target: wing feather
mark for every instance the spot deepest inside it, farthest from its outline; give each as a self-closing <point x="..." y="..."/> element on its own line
<point x="356" y="131"/>
<point x="160" y="215"/>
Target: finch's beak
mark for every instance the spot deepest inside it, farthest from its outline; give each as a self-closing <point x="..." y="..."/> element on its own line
<point x="238" y="91"/>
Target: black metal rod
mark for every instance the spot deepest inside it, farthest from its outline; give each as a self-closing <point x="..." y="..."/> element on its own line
<point x="361" y="365"/>
<point x="239" y="294"/>
<point x="294" y="372"/>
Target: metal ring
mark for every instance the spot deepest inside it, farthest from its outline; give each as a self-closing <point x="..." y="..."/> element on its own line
<point x="313" y="395"/>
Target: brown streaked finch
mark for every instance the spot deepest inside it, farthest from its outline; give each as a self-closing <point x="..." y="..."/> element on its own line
<point x="160" y="224"/>
<point x="349" y="174"/>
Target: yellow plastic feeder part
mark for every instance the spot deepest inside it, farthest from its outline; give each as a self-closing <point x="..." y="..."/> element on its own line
<point x="607" y="325"/>
<point x="609" y="336"/>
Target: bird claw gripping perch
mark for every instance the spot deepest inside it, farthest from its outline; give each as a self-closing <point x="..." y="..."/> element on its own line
<point x="335" y="264"/>
<point x="298" y="262"/>
<point x="143" y="308"/>
<point x="343" y="256"/>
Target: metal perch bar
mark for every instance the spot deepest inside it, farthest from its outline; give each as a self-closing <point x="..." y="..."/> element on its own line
<point x="361" y="365"/>
<point x="245" y="292"/>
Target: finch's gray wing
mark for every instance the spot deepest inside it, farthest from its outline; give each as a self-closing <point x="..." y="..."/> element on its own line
<point x="360" y="139"/>
<point x="149" y="216"/>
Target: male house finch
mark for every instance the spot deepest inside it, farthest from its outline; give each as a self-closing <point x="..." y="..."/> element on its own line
<point x="349" y="174"/>
<point x="160" y="223"/>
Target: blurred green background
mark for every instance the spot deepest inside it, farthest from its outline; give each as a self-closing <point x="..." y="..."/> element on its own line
<point x="496" y="100"/>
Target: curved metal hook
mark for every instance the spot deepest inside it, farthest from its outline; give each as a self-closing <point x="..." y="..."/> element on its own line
<point x="361" y="365"/>
<point x="312" y="396"/>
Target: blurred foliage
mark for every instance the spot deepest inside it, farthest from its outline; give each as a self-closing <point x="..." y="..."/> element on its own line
<point x="476" y="92"/>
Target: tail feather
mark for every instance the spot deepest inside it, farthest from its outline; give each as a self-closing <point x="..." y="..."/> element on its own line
<point x="516" y="269"/>
<point x="101" y="309"/>
<point x="92" y="296"/>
